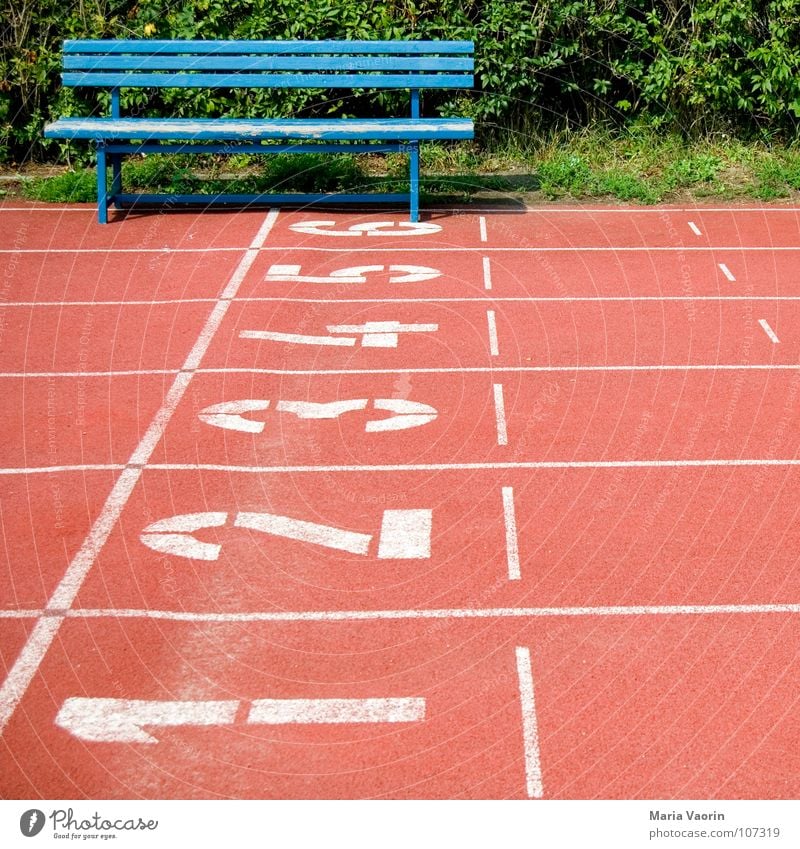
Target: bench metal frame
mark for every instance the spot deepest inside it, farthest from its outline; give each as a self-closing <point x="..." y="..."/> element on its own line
<point x="369" y="65"/>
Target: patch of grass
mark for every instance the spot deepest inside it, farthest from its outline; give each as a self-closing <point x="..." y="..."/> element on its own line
<point x="69" y="187"/>
<point x="564" y="174"/>
<point x="637" y="165"/>
<point x="692" y="169"/>
<point x="626" y="187"/>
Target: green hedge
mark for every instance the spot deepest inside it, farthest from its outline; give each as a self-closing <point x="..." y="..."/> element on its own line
<point x="699" y="66"/>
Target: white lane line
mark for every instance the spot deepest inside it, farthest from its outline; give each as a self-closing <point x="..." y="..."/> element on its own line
<point x="769" y="331"/>
<point x="512" y="543"/>
<point x="168" y="302"/>
<point x="482" y="225"/>
<point x="727" y="272"/>
<point x="430" y="467"/>
<point x="49" y="374"/>
<point x="497" y="210"/>
<point x="500" y="414"/>
<point x="46" y="470"/>
<point x="38" y="643"/>
<point x="429" y="613"/>
<point x="533" y="248"/>
<point x="120" y="250"/>
<point x="487" y="273"/>
<point x="403" y="300"/>
<point x="455" y="467"/>
<point x="530" y="729"/>
<point x="85" y="209"/>
<point x="16" y="375"/>
<point x="512" y="299"/>
<point x="492" y="322"/>
<point x="493" y="369"/>
<point x="694" y="228"/>
<point x="449" y="250"/>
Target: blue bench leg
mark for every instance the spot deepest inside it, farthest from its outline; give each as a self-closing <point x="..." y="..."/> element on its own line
<point x="413" y="166"/>
<point x="102" y="191"/>
<point x="116" y="178"/>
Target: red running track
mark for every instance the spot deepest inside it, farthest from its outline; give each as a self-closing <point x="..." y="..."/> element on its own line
<point x="318" y="505"/>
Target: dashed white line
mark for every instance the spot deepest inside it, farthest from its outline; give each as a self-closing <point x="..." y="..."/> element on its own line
<point x="500" y="414"/>
<point x="482" y="225"/>
<point x="40" y="639"/>
<point x="530" y="729"/>
<point x="487" y="273"/>
<point x="727" y="272"/>
<point x="512" y="542"/>
<point x="769" y="331"/>
<point x="694" y="228"/>
<point x="494" y="349"/>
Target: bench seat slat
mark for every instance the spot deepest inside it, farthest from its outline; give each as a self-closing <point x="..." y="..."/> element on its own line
<point x="152" y="46"/>
<point x="288" y="80"/>
<point x="141" y="63"/>
<point x="226" y="129"/>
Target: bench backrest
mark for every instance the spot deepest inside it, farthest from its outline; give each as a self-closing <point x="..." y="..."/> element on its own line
<point x="269" y="64"/>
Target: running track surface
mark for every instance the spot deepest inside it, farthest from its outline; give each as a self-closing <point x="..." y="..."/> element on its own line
<point x="501" y="506"/>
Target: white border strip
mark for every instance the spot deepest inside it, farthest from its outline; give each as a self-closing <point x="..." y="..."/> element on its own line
<point x="530" y="730"/>
<point x="43" y="634"/>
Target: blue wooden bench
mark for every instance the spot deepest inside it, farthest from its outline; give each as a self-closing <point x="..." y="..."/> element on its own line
<point x="363" y="65"/>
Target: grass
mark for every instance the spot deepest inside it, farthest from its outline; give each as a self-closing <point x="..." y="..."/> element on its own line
<point x="638" y="165"/>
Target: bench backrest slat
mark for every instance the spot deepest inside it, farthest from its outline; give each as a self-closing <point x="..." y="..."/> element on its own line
<point x="109" y="47"/>
<point x="367" y="81"/>
<point x="141" y="63"/>
<point x="269" y="64"/>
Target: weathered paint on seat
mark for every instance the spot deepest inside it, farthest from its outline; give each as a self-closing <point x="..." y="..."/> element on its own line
<point x="395" y="129"/>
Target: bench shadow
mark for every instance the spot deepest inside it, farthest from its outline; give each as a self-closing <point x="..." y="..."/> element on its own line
<point x="441" y="196"/>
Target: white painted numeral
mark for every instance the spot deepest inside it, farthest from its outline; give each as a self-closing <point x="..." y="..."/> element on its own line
<point x="354" y="274"/>
<point x="404" y="534"/>
<point x="372" y="228"/>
